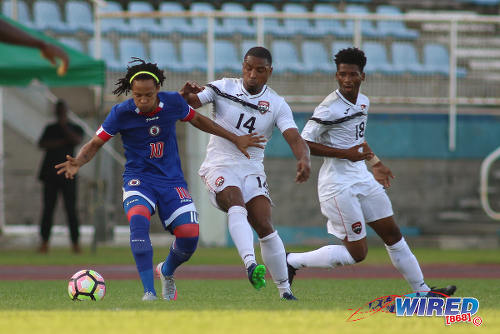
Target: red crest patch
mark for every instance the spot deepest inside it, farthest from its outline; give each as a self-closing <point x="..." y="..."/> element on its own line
<point x="357" y="227"/>
<point x="263" y="106"/>
<point x="219" y="182"/>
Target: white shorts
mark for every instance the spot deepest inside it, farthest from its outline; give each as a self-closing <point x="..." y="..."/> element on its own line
<point x="251" y="184"/>
<point x="349" y="211"/>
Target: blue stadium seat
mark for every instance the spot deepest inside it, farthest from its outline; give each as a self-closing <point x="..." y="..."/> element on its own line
<point x="48" y="17"/>
<point x="130" y="48"/>
<point x="164" y="53"/>
<point x="79" y="16"/>
<point x="108" y="53"/>
<point x="72" y="42"/>
<point x="143" y="24"/>
<point x="316" y="58"/>
<point x="377" y="61"/>
<point x="285" y="58"/>
<point x="329" y="26"/>
<point x="234" y="25"/>
<point x="193" y="55"/>
<point x="394" y="28"/>
<point x="23" y="14"/>
<point x="405" y="59"/>
<point x="271" y="25"/>
<point x="226" y="57"/>
<point x="115" y="24"/>
<point x="437" y="60"/>
<point x="177" y="24"/>
<point x="337" y="46"/>
<point x="367" y="27"/>
<point x="200" y="23"/>
<point x="293" y="27"/>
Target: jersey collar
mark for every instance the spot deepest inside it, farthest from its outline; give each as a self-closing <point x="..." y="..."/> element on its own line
<point x="250" y="96"/>
<point x="154" y="112"/>
<point x="346" y="101"/>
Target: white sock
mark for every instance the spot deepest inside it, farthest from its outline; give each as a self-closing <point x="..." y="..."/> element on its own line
<point x="274" y="256"/>
<point x="330" y="256"/>
<point x="406" y="263"/>
<point x="241" y="233"/>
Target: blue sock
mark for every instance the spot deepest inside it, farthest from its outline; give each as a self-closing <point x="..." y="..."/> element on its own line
<point x="180" y="251"/>
<point x="141" y="247"/>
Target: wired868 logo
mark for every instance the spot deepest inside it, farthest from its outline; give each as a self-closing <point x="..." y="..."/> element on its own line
<point x="452" y="309"/>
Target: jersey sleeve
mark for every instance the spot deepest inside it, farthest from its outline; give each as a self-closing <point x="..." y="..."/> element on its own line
<point x="185" y="112"/>
<point x="284" y="120"/>
<point x="208" y="95"/>
<point x="110" y="126"/>
<point x="315" y="127"/>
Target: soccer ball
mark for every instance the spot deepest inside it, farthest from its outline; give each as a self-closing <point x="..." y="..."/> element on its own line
<point x="86" y="285"/>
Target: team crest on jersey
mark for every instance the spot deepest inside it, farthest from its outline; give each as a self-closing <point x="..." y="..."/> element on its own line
<point x="154" y="130"/>
<point x="263" y="106"/>
<point x="134" y="182"/>
<point x="363" y="106"/>
<point x="357" y="227"/>
<point x="219" y="182"/>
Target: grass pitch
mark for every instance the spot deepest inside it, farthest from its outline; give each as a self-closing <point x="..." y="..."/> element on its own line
<point x="229" y="306"/>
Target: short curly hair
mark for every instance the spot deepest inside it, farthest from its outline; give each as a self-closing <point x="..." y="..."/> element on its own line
<point x="353" y="56"/>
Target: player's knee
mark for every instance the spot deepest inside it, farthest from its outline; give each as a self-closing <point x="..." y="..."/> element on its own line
<point x="359" y="255"/>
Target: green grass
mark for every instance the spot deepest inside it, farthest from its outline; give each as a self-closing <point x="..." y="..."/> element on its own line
<point x="228" y="256"/>
<point x="228" y="306"/>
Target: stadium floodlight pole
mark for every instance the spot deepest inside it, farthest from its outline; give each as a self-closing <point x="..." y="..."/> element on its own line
<point x="357" y="33"/>
<point x="260" y="30"/>
<point x="452" y="117"/>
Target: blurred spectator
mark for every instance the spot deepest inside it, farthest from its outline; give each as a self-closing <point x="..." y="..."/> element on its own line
<point x="59" y="140"/>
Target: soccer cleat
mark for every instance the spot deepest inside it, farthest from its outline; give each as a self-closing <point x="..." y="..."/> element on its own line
<point x="149" y="296"/>
<point x="442" y="292"/>
<point x="291" y="271"/>
<point x="168" y="289"/>
<point x="256" y="275"/>
<point x="288" y="296"/>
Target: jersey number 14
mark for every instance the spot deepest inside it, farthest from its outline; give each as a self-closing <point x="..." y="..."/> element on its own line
<point x="249" y="124"/>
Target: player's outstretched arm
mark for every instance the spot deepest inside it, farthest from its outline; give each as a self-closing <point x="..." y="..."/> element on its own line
<point x="242" y="142"/>
<point x="189" y="91"/>
<point x="381" y="172"/>
<point x="355" y="153"/>
<point x="301" y="152"/>
<point x="13" y="35"/>
<point x="71" y="166"/>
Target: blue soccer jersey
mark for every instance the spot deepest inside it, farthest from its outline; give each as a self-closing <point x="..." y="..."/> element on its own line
<point x="149" y="140"/>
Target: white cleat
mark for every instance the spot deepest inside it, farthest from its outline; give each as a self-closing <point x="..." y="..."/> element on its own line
<point x="149" y="296"/>
<point x="168" y="289"/>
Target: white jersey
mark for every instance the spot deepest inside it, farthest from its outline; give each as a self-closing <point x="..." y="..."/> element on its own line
<point x="241" y="113"/>
<point x="338" y="123"/>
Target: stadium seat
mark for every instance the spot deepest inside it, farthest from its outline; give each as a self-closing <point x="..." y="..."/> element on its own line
<point x="79" y="16"/>
<point x="329" y="26"/>
<point x="23" y="14"/>
<point x="367" y="27"/>
<point x="73" y="43"/>
<point x="377" y="59"/>
<point x="271" y="25"/>
<point x="316" y="58"/>
<point x="394" y="28"/>
<point x="245" y="46"/>
<point x="193" y="56"/>
<point x="143" y="24"/>
<point x="108" y="53"/>
<point x="179" y="25"/>
<point x="437" y="60"/>
<point x="405" y="59"/>
<point x="337" y="46"/>
<point x="130" y="48"/>
<point x="226" y="57"/>
<point x="200" y="23"/>
<point x="164" y="53"/>
<point x="293" y="27"/>
<point x="115" y="24"/>
<point x="48" y="17"/>
<point x="285" y="58"/>
<point x="232" y="25"/>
